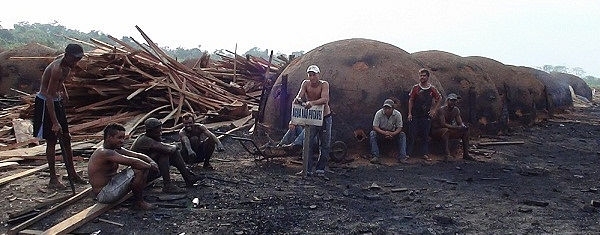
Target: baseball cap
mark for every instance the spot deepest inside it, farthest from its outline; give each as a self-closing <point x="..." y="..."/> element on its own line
<point x="452" y="96"/>
<point x="75" y="50"/>
<point x="152" y="123"/>
<point x="313" y="68"/>
<point x="388" y="103"/>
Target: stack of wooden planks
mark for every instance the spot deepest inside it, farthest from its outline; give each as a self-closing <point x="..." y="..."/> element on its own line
<point x="126" y="83"/>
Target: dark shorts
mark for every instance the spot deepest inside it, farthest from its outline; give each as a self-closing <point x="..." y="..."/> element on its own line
<point x="42" y="125"/>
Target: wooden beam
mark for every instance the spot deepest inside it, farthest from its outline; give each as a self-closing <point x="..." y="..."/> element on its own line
<point x="16" y="229"/>
<point x="22" y="174"/>
<point x="501" y="143"/>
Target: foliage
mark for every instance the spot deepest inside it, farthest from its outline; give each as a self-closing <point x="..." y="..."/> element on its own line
<point x="579" y="72"/>
<point x="55" y="36"/>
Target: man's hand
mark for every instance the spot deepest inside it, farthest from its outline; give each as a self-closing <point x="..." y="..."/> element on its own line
<point x="191" y="154"/>
<point x="432" y="113"/>
<point x="409" y="117"/>
<point x="56" y="128"/>
<point x="308" y="105"/>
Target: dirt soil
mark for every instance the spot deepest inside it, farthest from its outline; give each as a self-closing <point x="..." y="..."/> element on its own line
<point x="544" y="186"/>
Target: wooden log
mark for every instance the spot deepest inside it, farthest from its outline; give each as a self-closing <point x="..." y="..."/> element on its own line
<point x="22" y="174"/>
<point x="77" y="197"/>
<point x="501" y="143"/>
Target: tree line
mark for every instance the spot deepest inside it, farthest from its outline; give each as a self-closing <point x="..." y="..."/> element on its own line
<point x="579" y="72"/>
<point x="55" y="36"/>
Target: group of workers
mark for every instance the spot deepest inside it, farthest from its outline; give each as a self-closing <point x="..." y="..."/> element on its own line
<point x="149" y="157"/>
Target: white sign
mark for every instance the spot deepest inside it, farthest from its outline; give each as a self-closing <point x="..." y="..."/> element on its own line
<point x="303" y="116"/>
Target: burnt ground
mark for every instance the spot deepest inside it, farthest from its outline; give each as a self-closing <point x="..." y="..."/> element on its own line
<point x="545" y="185"/>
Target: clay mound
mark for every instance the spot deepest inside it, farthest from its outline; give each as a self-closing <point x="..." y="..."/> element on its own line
<point x="553" y="95"/>
<point x="24" y="74"/>
<point x="579" y="86"/>
<point x="481" y="104"/>
<point x="517" y="100"/>
<point x="362" y="73"/>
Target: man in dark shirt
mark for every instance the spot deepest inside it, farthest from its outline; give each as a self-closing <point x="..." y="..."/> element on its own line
<point x="164" y="154"/>
<point x="423" y="103"/>
<point x="197" y="142"/>
<point x="449" y="125"/>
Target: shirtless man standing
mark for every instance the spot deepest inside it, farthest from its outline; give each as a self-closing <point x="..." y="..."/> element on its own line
<point x="315" y="91"/>
<point x="110" y="186"/>
<point x="50" y="119"/>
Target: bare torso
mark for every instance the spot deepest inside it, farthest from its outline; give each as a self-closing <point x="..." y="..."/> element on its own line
<point x="314" y="91"/>
<point x="100" y="169"/>
<point x="54" y="71"/>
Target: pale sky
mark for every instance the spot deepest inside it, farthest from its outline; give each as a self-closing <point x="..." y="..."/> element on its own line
<point x="530" y="33"/>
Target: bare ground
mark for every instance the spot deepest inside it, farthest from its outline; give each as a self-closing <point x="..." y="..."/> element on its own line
<point x="545" y="185"/>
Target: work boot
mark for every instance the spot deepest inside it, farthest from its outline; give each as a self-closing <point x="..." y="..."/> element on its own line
<point x="375" y="160"/>
<point x="403" y="160"/>
<point x="173" y="189"/>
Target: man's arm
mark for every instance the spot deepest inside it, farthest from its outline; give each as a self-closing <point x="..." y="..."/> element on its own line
<point x="135" y="160"/>
<point x="436" y="101"/>
<point x="51" y="93"/>
<point x="458" y="119"/>
<point x="301" y="92"/>
<point x="411" y="100"/>
<point x="185" y="140"/>
<point x="162" y="147"/>
<point x="220" y="147"/>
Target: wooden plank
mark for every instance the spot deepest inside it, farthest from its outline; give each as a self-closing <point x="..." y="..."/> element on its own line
<point x="83" y="108"/>
<point x="22" y="174"/>
<point x="242" y="121"/>
<point x="18" y="228"/>
<point x="13" y="159"/>
<point x="82" y="217"/>
<point x="501" y="143"/>
<point x="8" y="165"/>
<point x="86" y="215"/>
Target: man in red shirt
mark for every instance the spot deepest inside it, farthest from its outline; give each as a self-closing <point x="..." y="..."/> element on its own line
<point x="424" y="101"/>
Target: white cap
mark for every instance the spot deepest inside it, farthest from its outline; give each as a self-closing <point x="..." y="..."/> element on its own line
<point x="313" y="68"/>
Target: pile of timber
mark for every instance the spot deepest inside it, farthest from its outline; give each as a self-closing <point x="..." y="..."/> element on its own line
<point x="128" y="83"/>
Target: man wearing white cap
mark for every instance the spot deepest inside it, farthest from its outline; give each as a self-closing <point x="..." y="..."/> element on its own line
<point x="315" y="91"/>
<point x="387" y="125"/>
<point x="449" y="125"/>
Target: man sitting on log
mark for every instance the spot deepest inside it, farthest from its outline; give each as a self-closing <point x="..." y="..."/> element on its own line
<point x="164" y="154"/>
<point x="198" y="143"/>
<point x="109" y="185"/>
<point x="449" y="125"/>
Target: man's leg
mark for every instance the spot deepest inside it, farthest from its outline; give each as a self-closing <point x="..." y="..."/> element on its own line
<point x="208" y="149"/>
<point x="137" y="189"/>
<point x="163" y="161"/>
<point x="188" y="176"/>
<point x="412" y="135"/>
<point x="426" y="128"/>
<point x="51" y="157"/>
<point x="373" y="136"/>
<point x="401" y="143"/>
<point x="66" y="138"/>
<point x="325" y="145"/>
